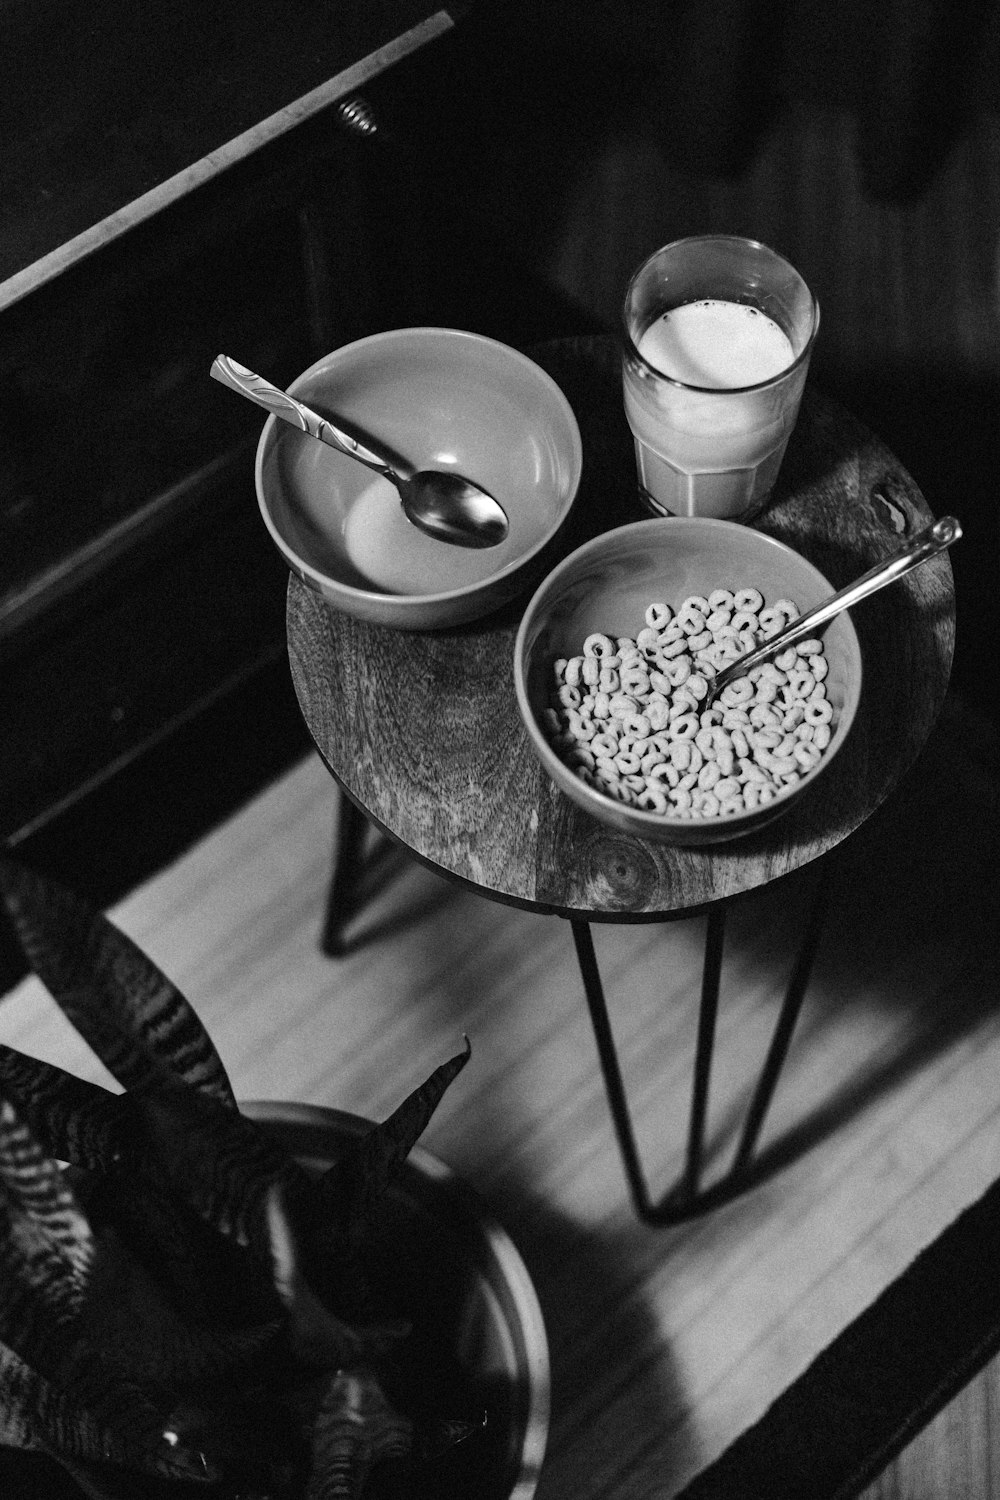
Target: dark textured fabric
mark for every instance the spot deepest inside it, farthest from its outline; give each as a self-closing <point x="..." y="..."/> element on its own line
<point x="880" y="1381"/>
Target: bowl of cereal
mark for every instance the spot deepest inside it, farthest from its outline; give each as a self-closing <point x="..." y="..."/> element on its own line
<point x="436" y="398"/>
<point x="612" y="665"/>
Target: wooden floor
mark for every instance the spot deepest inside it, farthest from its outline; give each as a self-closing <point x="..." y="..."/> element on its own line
<point x="665" y="1343"/>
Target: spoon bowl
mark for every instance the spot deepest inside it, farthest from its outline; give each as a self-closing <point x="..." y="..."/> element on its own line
<point x="446" y="399"/>
<point x="441" y="503"/>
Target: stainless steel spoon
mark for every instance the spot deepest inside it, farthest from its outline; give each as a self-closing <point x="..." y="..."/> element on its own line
<point x="438" y="501"/>
<point x="926" y="544"/>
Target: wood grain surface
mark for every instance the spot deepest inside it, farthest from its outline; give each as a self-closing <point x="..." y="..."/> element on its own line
<point x="423" y="731"/>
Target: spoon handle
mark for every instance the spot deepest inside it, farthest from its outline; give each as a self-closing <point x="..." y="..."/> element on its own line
<point x="280" y="404"/>
<point x="926" y="544"/>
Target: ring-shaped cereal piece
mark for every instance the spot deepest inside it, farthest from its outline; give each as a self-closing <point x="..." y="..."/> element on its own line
<point x="572" y="671"/>
<point x="634" y="681"/>
<point x="664" y="771"/>
<point x="751" y="599"/>
<point x="819" y="667"/>
<point x="658" y="715"/>
<point x="744" y="619"/>
<point x="684" y="727"/>
<point x="727" y="788"/>
<point x="677" y="670"/>
<point x="740" y="690"/>
<point x="819" y="711"/>
<point x="621" y="793"/>
<point x="637" y="725"/>
<point x="599" y="645"/>
<point x="591" y="670"/>
<point x="692" y="623"/>
<point x="721" y="599"/>
<point x="801" y="684"/>
<point x="822" y="735"/>
<point x="651" y="799"/>
<point x="673" y="648"/>
<point x="580" y="726"/>
<point x="622" y="704"/>
<point x="771" y="621"/>
<point x="680" y="754"/>
<point x="709" y="807"/>
<point x="569" y="697"/>
<point x="787" y="608"/>
<point x="718" y="620"/>
<point x="658" y="615"/>
<point x="605" y="744"/>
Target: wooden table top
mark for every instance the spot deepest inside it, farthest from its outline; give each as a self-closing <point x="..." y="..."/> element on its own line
<point x="422" y="730"/>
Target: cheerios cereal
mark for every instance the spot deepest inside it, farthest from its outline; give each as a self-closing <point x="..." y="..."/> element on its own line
<point x="627" y="714"/>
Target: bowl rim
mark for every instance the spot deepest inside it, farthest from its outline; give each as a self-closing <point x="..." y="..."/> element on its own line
<point x="587" y="796"/>
<point x="418" y="602"/>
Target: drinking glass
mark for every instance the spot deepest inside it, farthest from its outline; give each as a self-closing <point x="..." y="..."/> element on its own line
<point x="714" y="448"/>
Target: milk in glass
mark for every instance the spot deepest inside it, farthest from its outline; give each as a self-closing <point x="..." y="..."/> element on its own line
<point x="709" y="439"/>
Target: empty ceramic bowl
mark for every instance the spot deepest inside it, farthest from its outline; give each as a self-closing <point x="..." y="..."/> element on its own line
<point x="431" y="398"/>
<point x="605" y="587"/>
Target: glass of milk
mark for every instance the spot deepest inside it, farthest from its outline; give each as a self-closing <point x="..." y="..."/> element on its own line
<point x="718" y="334"/>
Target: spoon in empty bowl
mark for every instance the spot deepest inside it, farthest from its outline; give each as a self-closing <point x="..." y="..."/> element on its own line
<point x="926" y="544"/>
<point x="438" y="501"/>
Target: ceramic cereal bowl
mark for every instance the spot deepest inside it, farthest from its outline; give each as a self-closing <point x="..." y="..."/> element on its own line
<point x="433" y="398"/>
<point x="605" y="588"/>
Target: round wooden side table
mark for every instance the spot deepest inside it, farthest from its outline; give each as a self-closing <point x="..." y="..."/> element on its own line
<point x="422" y="732"/>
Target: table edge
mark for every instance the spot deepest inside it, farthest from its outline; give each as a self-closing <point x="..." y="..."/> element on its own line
<point x="114" y="225"/>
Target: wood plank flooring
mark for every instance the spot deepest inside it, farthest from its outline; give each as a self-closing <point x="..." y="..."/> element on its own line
<point x="665" y="1343"/>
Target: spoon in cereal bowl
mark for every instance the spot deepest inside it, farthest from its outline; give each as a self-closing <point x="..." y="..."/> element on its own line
<point x="926" y="544"/>
<point x="439" y="502"/>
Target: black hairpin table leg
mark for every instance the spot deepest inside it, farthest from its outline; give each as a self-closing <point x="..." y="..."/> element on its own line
<point x="357" y="874"/>
<point x="688" y="1197"/>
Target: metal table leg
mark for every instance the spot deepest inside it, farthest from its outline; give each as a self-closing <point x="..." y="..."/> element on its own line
<point x="355" y="878"/>
<point x="688" y="1197"/>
